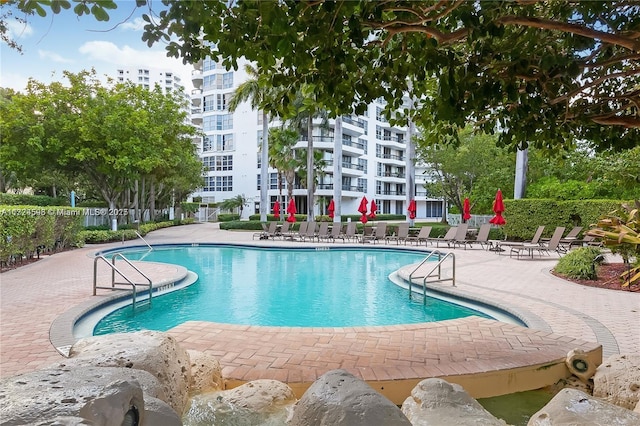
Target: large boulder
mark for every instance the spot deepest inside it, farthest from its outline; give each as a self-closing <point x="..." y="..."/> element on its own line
<point x="259" y="402"/>
<point x="438" y="402"/>
<point x="206" y="373"/>
<point x="617" y="380"/>
<point x="44" y="395"/>
<point x="337" y="398"/>
<point x="159" y="413"/>
<point x="152" y="351"/>
<point x="572" y="407"/>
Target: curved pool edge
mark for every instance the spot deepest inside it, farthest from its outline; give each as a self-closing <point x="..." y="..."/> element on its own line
<point x="512" y="313"/>
<point x="485" y="356"/>
<point x="63" y="330"/>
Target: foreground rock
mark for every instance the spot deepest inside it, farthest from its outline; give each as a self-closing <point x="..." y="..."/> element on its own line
<point x="617" y="380"/>
<point x="572" y="407"/>
<point x="337" y="398"/>
<point x="206" y="373"/>
<point x="437" y="402"/>
<point x="260" y="402"/>
<point x="90" y="393"/>
<point x="155" y="352"/>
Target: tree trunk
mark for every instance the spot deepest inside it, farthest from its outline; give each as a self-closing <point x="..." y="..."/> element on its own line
<point x="310" y="170"/>
<point x="264" y="170"/>
<point x="337" y="171"/>
<point x="152" y="199"/>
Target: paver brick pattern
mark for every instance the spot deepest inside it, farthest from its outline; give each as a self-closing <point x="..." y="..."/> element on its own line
<point x="31" y="297"/>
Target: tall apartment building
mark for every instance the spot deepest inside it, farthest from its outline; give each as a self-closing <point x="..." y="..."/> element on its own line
<point x="374" y="153"/>
<point x="148" y="77"/>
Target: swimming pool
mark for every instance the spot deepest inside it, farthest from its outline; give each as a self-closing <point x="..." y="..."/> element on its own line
<point x="305" y="287"/>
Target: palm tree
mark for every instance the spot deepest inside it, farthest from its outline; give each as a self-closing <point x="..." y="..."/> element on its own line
<point x="282" y="157"/>
<point x="237" y="202"/>
<point x="261" y="95"/>
<point x="306" y="110"/>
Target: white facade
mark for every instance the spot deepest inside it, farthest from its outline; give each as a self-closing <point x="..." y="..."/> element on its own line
<point x="374" y="154"/>
<point x="148" y="77"/>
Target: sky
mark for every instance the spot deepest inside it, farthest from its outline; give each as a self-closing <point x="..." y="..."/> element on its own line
<point x="65" y="41"/>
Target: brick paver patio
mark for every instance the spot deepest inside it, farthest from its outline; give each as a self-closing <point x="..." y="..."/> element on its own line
<point x="561" y="316"/>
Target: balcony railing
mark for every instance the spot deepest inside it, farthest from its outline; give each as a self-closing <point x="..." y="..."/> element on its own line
<point x="389" y="192"/>
<point x="354" y="121"/>
<point x="391" y="174"/>
<point x="391" y="157"/>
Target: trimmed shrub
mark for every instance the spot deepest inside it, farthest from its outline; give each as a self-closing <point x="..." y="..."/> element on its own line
<point x="525" y="215"/>
<point x="27" y="230"/>
<point x="228" y="217"/>
<point x="32" y="200"/>
<point x="579" y="263"/>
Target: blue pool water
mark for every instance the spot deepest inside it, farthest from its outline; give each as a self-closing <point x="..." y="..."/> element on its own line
<point x="284" y="287"/>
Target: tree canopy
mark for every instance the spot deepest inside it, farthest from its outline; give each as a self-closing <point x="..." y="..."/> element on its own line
<point x="108" y="137"/>
<point x="543" y="73"/>
<point x="540" y="72"/>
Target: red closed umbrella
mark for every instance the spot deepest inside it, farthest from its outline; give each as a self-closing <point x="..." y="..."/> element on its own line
<point x="276" y="210"/>
<point x="331" y="208"/>
<point x="374" y="209"/>
<point x="498" y="209"/>
<point x="291" y="209"/>
<point x="412" y="209"/>
<point x="363" y="210"/>
<point x="466" y="210"/>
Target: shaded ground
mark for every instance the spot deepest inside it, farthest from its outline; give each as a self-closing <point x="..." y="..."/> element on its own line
<point x="608" y="278"/>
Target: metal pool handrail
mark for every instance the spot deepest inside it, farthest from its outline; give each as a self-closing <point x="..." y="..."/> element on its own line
<point x="115" y="269"/>
<point x="441" y="258"/>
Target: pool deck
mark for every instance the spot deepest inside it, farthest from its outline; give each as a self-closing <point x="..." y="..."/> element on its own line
<point x="561" y="316"/>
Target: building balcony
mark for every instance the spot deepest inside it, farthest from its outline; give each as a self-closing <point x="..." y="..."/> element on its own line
<point x="196" y="116"/>
<point x="196" y="97"/>
<point x="391" y="194"/>
<point x="392" y="142"/>
<point x="351" y="121"/>
<point x="392" y="159"/>
<point x="393" y="177"/>
<point x="196" y="79"/>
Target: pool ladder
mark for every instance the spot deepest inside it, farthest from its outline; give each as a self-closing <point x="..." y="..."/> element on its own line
<point x="435" y="273"/>
<point x="129" y="282"/>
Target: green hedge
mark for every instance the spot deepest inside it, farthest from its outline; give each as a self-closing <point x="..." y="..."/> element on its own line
<point x="32" y="200"/>
<point x="96" y="236"/>
<point x="228" y="217"/>
<point x="525" y="215"/>
<point x="27" y="230"/>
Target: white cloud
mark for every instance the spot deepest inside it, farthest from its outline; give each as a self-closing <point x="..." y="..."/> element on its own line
<point x="136" y="24"/>
<point x="55" y="57"/>
<point x="17" y="30"/>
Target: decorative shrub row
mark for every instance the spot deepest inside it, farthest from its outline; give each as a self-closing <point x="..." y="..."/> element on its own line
<point x="227" y="217"/>
<point x="31" y="200"/>
<point x="325" y="218"/>
<point x="525" y="215"/>
<point x="27" y="230"/>
<point x="97" y="236"/>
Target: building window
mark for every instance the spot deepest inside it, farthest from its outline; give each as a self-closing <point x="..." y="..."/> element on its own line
<point x="218" y="183"/>
<point x="208" y="64"/>
<point x="227" y="80"/>
<point x="362" y="185"/>
<point x="208" y="103"/>
<point x="218" y="143"/>
<point x="217" y="122"/>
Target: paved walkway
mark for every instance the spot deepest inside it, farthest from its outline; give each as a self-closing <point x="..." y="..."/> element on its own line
<point x="561" y="315"/>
